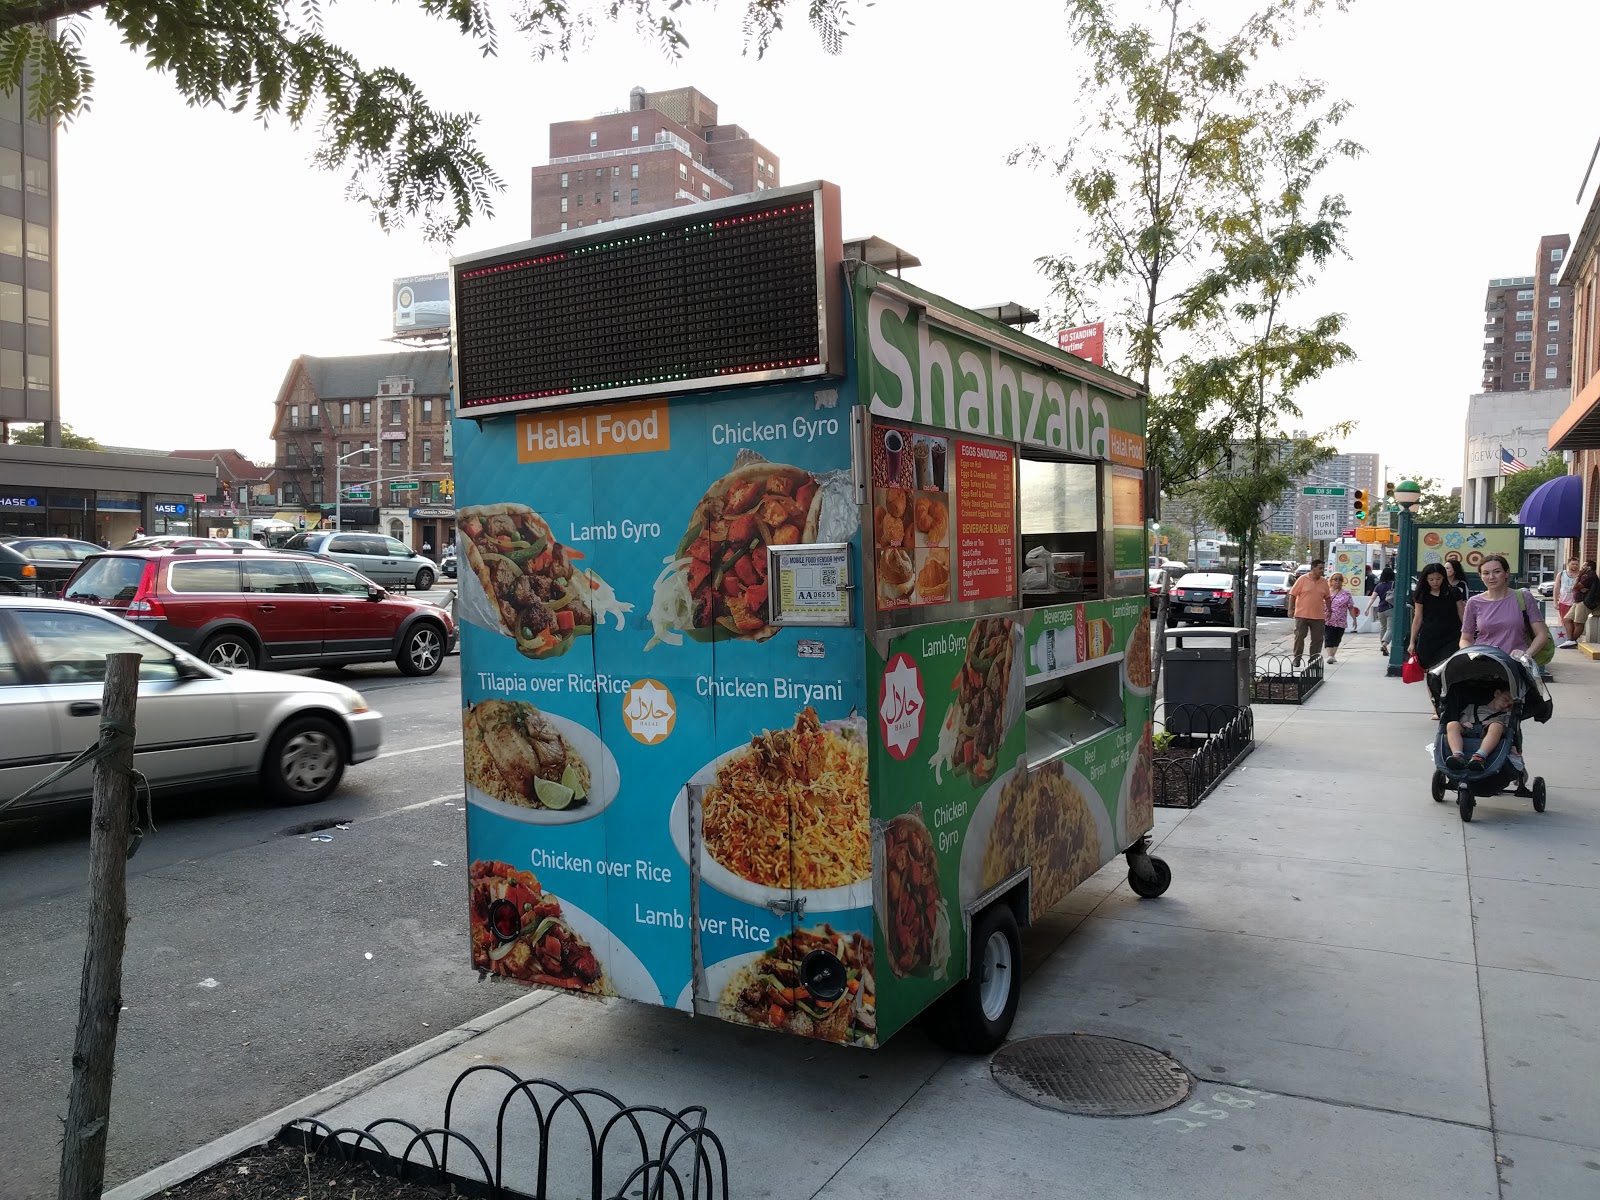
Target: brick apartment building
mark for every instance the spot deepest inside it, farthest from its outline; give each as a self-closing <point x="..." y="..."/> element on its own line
<point x="666" y="150"/>
<point x="394" y="406"/>
<point x="1527" y="325"/>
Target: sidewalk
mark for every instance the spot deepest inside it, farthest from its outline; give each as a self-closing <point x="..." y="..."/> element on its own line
<point x="1419" y="997"/>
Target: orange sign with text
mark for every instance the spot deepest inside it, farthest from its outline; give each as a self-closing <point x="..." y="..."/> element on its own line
<point x="638" y="428"/>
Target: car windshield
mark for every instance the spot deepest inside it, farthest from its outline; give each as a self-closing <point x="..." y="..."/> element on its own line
<point x="107" y="580"/>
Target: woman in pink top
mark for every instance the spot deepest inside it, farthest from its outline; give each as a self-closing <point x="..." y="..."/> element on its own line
<point x="1339" y="609"/>
<point x="1494" y="617"/>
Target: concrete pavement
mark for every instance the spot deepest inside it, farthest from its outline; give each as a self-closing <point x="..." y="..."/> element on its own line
<point x="1377" y="1000"/>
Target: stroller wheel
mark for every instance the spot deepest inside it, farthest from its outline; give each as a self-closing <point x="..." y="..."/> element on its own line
<point x="1437" y="787"/>
<point x="1538" y="793"/>
<point x="1465" y="803"/>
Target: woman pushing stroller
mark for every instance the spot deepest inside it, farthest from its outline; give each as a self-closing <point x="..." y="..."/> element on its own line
<point x="1508" y="620"/>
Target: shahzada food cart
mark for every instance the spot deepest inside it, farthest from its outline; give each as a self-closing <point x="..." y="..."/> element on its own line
<point x="805" y="644"/>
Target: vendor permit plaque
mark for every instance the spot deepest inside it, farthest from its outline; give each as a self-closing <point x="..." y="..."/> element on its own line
<point x="811" y="584"/>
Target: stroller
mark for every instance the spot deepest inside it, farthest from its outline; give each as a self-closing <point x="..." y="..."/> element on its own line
<point x="1471" y="676"/>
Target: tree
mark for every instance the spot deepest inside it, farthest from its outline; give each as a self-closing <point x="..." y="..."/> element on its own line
<point x="1513" y="490"/>
<point x="406" y="159"/>
<point x="71" y="439"/>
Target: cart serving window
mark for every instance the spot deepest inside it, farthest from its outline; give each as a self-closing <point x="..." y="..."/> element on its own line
<point x="805" y="650"/>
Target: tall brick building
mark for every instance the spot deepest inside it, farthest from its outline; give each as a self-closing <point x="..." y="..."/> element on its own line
<point x="1527" y="325"/>
<point x="667" y="149"/>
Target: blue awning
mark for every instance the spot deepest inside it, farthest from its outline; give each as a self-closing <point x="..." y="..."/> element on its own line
<point x="1555" y="509"/>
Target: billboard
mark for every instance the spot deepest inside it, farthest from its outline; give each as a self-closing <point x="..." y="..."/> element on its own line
<point x="422" y="302"/>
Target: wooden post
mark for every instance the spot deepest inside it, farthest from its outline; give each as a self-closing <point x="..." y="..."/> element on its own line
<point x="83" y="1144"/>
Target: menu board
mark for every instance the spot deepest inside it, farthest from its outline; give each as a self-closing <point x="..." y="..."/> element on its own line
<point x="911" y="501"/>
<point x="986" y="528"/>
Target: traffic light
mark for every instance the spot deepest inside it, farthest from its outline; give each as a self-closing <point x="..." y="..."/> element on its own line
<point x="1388" y="493"/>
<point x="1360" y="502"/>
<point x="447" y="488"/>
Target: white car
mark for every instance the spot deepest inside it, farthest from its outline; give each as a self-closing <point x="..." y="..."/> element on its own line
<point x="197" y="724"/>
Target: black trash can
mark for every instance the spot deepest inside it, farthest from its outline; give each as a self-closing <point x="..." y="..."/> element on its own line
<point x="1202" y="678"/>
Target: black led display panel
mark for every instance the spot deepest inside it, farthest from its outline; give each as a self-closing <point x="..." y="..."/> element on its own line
<point x="733" y="293"/>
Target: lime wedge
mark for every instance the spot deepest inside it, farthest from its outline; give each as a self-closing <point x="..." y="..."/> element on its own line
<point x="552" y="794"/>
<point x="569" y="778"/>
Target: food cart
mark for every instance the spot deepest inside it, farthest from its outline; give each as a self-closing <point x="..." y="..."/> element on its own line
<point x="805" y="647"/>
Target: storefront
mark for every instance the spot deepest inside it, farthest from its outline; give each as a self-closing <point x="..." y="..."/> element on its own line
<point x="433" y="527"/>
<point x="118" y="516"/>
<point x="98" y="496"/>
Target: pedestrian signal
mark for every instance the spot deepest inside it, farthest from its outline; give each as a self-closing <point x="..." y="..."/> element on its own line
<point x="1360" y="503"/>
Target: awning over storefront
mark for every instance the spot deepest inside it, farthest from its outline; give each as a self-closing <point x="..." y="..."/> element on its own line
<point x="1579" y="427"/>
<point x="1555" y="509"/>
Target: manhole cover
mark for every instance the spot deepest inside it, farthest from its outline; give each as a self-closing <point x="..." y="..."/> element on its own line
<point x="1090" y="1076"/>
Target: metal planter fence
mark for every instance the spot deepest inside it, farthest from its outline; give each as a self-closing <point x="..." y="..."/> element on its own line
<point x="1188" y="765"/>
<point x="1276" y="681"/>
<point x="607" y="1150"/>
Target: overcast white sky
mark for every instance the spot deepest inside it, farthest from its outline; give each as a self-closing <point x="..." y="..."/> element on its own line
<point x="199" y="254"/>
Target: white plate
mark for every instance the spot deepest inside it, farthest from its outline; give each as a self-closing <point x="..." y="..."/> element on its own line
<point x="717" y="978"/>
<point x="1127" y="656"/>
<point x="624" y="971"/>
<point x="977" y="837"/>
<point x="819" y="900"/>
<point x="603" y="781"/>
<point x="1126" y="786"/>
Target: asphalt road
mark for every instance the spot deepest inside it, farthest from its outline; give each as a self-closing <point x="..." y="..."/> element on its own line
<point x="261" y="964"/>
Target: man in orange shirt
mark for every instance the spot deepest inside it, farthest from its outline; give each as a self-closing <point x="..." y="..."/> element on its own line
<point x="1308" y="603"/>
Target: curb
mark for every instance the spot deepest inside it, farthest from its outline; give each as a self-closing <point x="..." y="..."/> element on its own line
<point x="262" y="1130"/>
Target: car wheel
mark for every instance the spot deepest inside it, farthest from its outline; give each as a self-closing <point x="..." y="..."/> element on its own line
<point x="422" y="651"/>
<point x="305" y="761"/>
<point x="231" y="651"/>
<point x="424" y="579"/>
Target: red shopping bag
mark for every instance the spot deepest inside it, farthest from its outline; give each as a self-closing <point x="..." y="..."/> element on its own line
<point x="1411" y="671"/>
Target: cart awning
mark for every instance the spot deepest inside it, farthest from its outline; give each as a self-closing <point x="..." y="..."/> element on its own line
<point x="1555" y="508"/>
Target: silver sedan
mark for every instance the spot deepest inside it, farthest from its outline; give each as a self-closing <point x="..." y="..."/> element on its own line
<point x="197" y="724"/>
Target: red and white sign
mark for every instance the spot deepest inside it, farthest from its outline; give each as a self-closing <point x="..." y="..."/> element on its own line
<point x="986" y="526"/>
<point x="901" y="706"/>
<point x="1085" y="341"/>
<point x="393" y="435"/>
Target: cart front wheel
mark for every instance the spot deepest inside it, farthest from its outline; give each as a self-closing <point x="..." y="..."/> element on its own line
<point x="1538" y="793"/>
<point x="1158" y="882"/>
<point x="1465" y="803"/>
<point x="974" y="1016"/>
<point x="1438" y="787"/>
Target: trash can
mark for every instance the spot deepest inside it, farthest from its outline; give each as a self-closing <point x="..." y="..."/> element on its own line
<point x="1204" y="668"/>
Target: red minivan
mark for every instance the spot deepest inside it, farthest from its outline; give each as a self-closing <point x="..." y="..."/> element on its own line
<point x="256" y="608"/>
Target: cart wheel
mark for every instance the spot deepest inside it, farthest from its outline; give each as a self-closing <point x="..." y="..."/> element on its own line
<point x="1465" y="803"/>
<point x="1438" y="786"/>
<point x="1538" y="793"/>
<point x="1149" y="889"/>
<point x="974" y="1016"/>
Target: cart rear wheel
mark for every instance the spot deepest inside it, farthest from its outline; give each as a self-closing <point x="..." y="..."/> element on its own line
<point x="1149" y="889"/>
<point x="1438" y="786"/>
<point x="1465" y="803"/>
<point x="974" y="1016"/>
<point x="1538" y="793"/>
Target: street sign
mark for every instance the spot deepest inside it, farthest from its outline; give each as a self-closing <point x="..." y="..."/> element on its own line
<point x="358" y="495"/>
<point x="1384" y="519"/>
<point x="409" y="486"/>
<point x="1322" y="491"/>
<point x="1324" y="524"/>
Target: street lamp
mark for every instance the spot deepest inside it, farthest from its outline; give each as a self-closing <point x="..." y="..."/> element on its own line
<point x="1408" y="495"/>
<point x="338" y="484"/>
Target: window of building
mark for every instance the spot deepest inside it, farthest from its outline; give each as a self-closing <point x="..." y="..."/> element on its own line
<point x="394" y="453"/>
<point x="427" y="411"/>
<point x="1522" y="356"/>
<point x="366" y="412"/>
<point x="39" y="372"/>
<point x="563" y="227"/>
<point x="10" y="168"/>
<point x="394" y="412"/>
<point x="1551" y="350"/>
<point x="770" y="174"/>
<point x="761" y="164"/>
<point x="427" y="450"/>
<point x="294" y="416"/>
<point x="594" y="140"/>
<point x="1555" y="301"/>
<point x="11" y="302"/>
<point x="580" y="224"/>
<point x="1552" y="326"/>
<point x="633" y="134"/>
<point x="1525" y="294"/>
<point x="313" y="416"/>
<point x="316" y="491"/>
<point x="1525" y="314"/>
<point x="38" y="306"/>
<point x="563" y="204"/>
<point x="1557" y="254"/>
<point x="11" y="369"/>
<point x="1524" y="335"/>
<point x="760" y="187"/>
<point x="1519" y="377"/>
<point x="633" y="196"/>
<point x="616" y="172"/>
<point x="1550" y="372"/>
<point x="616" y="195"/>
<point x="633" y="171"/>
<point x="316" y="455"/>
<point x="366" y="453"/>
<point x="38" y="239"/>
<point x="597" y="197"/>
<point x="344" y="412"/>
<point x="683" y="170"/>
<point x="563" y="179"/>
<point x="291" y="454"/>
<point x="577" y="201"/>
<point x="36" y="175"/>
<point x="705" y="190"/>
<point x="1555" y="278"/>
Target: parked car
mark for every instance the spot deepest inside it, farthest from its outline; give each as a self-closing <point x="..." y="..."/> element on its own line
<point x="171" y="541"/>
<point x="1153" y="579"/>
<point x="1546" y="590"/>
<point x="244" y="609"/>
<point x="1272" y="592"/>
<point x="1203" y="598"/>
<point x="19" y="575"/>
<point x="381" y="559"/>
<point x="197" y="725"/>
<point x="54" y="549"/>
<point x="447" y="564"/>
<point x="1273" y="564"/>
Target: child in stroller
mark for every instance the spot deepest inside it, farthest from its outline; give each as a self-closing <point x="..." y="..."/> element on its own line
<point x="1483" y="695"/>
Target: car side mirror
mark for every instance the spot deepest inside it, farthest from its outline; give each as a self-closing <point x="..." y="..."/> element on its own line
<point x="376" y="593"/>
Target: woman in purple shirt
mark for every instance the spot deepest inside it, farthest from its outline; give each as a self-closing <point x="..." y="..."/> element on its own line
<point x="1495" y="618"/>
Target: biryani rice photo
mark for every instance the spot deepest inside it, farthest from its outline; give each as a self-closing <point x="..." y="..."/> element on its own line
<point x="1139" y="667"/>
<point x="1043" y="823"/>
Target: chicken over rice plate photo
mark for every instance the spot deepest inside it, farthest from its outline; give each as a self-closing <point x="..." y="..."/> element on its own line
<point x="518" y="932"/>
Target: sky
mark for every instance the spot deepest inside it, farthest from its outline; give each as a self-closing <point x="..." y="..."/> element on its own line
<point x="199" y="254"/>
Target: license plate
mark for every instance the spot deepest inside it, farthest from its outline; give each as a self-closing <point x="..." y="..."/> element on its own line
<point x="1196" y="608"/>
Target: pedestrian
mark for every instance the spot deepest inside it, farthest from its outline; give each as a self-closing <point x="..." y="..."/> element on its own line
<point x="1436" y="611"/>
<point x="1308" y="601"/>
<point x="1585" y="604"/>
<point x="1383" y="606"/>
<point x="1456" y="574"/>
<point x="1508" y="619"/>
<point x="427" y="548"/>
<point x="1341" y="609"/>
<point x="1566" y="589"/>
<point x="1486" y="722"/>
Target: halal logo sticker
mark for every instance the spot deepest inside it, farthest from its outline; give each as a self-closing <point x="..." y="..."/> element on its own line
<point x="901" y="706"/>
<point x="649" y="712"/>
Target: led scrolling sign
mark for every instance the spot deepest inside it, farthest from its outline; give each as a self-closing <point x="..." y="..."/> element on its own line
<point x="723" y="293"/>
